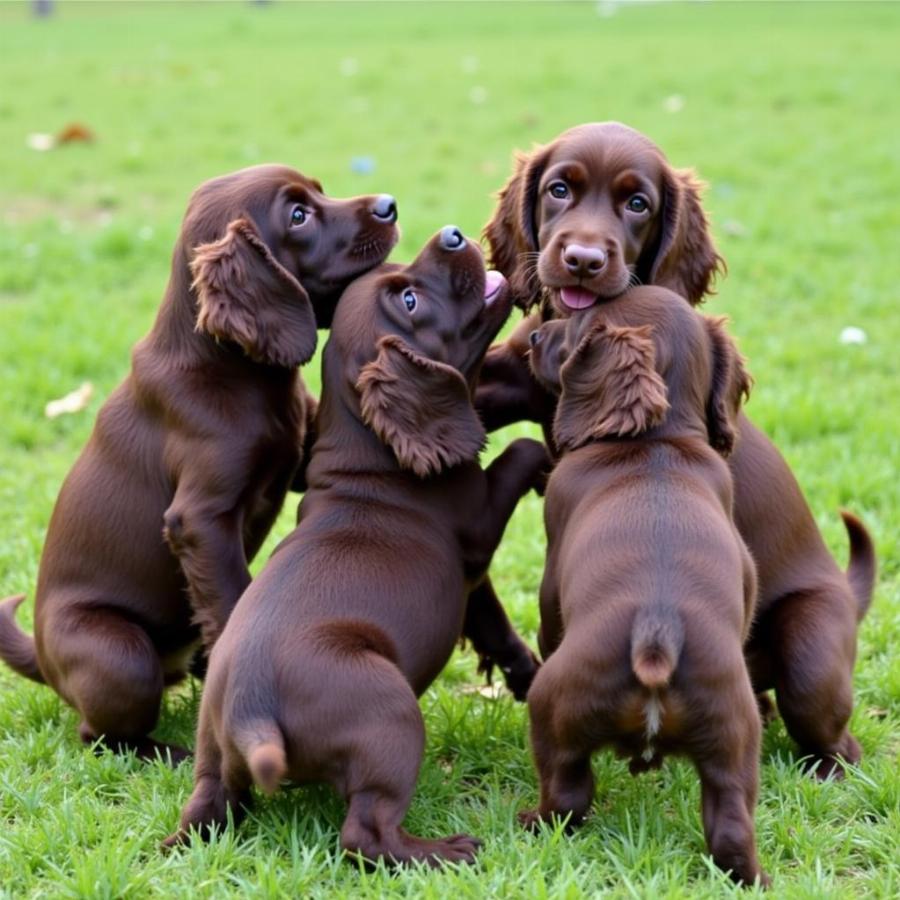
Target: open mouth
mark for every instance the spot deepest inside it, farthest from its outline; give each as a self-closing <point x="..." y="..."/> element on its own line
<point x="493" y="284"/>
<point x="577" y="297"/>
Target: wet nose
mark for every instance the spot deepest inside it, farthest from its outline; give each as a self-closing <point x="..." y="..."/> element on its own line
<point x="535" y="338"/>
<point x="584" y="262"/>
<point x="385" y="208"/>
<point x="452" y="238"/>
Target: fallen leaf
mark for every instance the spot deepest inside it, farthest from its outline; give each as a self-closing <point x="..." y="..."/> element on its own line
<point x="491" y="691"/>
<point x="75" y="132"/>
<point x="73" y="402"/>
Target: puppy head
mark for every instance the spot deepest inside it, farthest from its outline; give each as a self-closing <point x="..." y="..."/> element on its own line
<point x="420" y="333"/>
<point x="594" y="211"/>
<point x="270" y="254"/>
<point x="609" y="386"/>
<point x="549" y="349"/>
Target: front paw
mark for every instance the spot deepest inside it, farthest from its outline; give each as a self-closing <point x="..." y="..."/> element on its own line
<point x="530" y="819"/>
<point x="518" y="671"/>
<point x="535" y="458"/>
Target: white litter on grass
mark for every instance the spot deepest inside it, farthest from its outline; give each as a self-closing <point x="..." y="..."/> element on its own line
<point x="853" y="335"/>
<point x="41" y="142"/>
<point x="349" y="66"/>
<point x="73" y="402"/>
<point x="673" y="103"/>
<point x="478" y="94"/>
<point x="469" y="64"/>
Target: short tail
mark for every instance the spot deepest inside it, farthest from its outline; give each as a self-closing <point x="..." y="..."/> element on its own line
<point x="657" y="637"/>
<point x="17" y="649"/>
<point x="863" y="566"/>
<point x="262" y="745"/>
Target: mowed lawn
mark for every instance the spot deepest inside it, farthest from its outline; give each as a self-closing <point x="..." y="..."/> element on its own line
<point x="788" y="111"/>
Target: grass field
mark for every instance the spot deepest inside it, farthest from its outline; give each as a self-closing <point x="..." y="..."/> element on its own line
<point x="789" y="111"/>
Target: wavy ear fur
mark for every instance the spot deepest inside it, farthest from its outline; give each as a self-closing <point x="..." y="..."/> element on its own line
<point x="512" y="230"/>
<point x="730" y="386"/>
<point x="420" y="408"/>
<point x="610" y="387"/>
<point x="686" y="260"/>
<point x="246" y="296"/>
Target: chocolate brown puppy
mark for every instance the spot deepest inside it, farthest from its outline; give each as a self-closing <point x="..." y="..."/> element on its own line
<point x="191" y="456"/>
<point x="649" y="590"/>
<point x="600" y="208"/>
<point x="316" y="675"/>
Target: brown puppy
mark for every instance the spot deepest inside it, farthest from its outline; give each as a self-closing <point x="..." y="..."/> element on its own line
<point x="316" y="678"/>
<point x="599" y="208"/>
<point x="192" y="454"/>
<point x="648" y="592"/>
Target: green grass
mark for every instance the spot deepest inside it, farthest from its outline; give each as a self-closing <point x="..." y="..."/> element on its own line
<point x="789" y="111"/>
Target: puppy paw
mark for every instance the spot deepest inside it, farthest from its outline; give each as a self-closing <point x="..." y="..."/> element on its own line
<point x="768" y="712"/>
<point x="530" y="819"/>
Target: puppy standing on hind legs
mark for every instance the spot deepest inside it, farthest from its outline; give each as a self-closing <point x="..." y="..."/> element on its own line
<point x="597" y="210"/>
<point x="649" y="590"/>
<point x="190" y="458"/>
<point x="317" y="674"/>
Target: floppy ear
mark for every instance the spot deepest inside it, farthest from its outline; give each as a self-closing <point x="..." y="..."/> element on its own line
<point x="610" y="386"/>
<point x="730" y="385"/>
<point x="512" y="231"/>
<point x="420" y="408"/>
<point x="245" y="295"/>
<point x="685" y="259"/>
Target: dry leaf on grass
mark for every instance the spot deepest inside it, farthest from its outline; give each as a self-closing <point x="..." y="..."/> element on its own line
<point x="73" y="402"/>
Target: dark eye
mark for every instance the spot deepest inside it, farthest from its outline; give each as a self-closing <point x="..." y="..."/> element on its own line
<point x="637" y="204"/>
<point x="410" y="299"/>
<point x="298" y="215"/>
<point x="559" y="190"/>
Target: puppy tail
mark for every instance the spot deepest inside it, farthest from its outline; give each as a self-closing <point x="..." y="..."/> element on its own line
<point x="863" y="565"/>
<point x="17" y="649"/>
<point x="262" y="744"/>
<point x="657" y="637"/>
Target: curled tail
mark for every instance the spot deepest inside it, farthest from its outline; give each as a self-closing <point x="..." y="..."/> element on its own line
<point x="657" y="637"/>
<point x="863" y="565"/>
<point x="17" y="649"/>
<point x="262" y="745"/>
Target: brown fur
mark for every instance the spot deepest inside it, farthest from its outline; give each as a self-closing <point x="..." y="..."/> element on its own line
<point x="315" y="678"/>
<point x="603" y="163"/>
<point x="804" y="642"/>
<point x="649" y="591"/>
<point x="191" y="456"/>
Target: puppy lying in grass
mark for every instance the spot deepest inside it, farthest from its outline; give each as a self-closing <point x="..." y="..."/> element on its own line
<point x="192" y="455"/>
<point x="316" y="675"/>
<point x="649" y="591"/>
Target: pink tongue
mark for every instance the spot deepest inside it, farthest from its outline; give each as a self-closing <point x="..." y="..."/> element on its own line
<point x="493" y="281"/>
<point x="577" y="298"/>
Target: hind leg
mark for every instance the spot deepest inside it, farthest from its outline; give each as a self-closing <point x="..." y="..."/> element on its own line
<point x="109" y="670"/>
<point x="564" y="768"/>
<point x="814" y="643"/>
<point x="217" y="789"/>
<point x="727" y="760"/>
<point x="384" y="759"/>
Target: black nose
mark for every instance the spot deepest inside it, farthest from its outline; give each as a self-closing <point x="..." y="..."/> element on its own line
<point x="535" y="338"/>
<point x="584" y="262"/>
<point x="385" y="208"/>
<point x="452" y="238"/>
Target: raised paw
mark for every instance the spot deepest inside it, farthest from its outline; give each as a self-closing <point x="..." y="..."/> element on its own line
<point x="176" y="839"/>
<point x="768" y="712"/>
